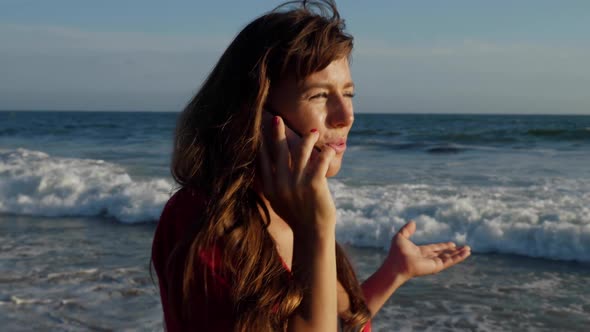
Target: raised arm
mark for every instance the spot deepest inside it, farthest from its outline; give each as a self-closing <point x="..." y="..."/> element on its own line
<point x="314" y="268"/>
<point x="294" y="183"/>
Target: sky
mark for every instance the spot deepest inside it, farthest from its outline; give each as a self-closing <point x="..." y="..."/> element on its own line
<point x="460" y="56"/>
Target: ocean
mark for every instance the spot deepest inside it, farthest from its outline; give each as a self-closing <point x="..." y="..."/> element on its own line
<point x="80" y="194"/>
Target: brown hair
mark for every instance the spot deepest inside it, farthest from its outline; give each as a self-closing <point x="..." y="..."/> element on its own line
<point x="217" y="139"/>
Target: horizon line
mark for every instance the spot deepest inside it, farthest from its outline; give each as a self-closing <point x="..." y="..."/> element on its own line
<point x="368" y="113"/>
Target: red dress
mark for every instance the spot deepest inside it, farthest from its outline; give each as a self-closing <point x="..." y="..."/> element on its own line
<point x="213" y="310"/>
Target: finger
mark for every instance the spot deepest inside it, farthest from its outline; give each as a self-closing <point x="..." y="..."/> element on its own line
<point x="318" y="168"/>
<point x="303" y="153"/>
<point x="436" y="247"/>
<point x="465" y="251"/>
<point x="408" y="229"/>
<point x="439" y="253"/>
<point x="452" y="250"/>
<point x="267" y="127"/>
<point x="446" y="260"/>
<point x="281" y="151"/>
<point x="265" y="169"/>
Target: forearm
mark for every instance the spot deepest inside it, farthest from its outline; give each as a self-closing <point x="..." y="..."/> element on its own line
<point x="314" y="268"/>
<point x="381" y="285"/>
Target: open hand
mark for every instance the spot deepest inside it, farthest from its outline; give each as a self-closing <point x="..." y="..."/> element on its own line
<point x="409" y="260"/>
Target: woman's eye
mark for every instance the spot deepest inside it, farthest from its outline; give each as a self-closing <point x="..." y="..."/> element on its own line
<point x="325" y="95"/>
<point x="319" y="95"/>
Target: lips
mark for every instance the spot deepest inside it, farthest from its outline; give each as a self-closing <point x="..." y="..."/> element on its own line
<point x="338" y="145"/>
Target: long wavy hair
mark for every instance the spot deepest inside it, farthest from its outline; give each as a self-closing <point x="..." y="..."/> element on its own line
<point x="217" y="139"/>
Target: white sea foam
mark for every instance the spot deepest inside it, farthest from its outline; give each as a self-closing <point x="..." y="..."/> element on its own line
<point x="34" y="183"/>
<point x="550" y="220"/>
<point x="21" y="301"/>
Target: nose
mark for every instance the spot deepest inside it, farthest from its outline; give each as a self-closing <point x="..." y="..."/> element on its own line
<point x="340" y="112"/>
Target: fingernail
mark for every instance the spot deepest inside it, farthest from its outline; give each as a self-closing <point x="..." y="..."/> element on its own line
<point x="314" y="130"/>
<point x="276" y="120"/>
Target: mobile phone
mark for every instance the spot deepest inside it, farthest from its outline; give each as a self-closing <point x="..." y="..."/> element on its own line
<point x="293" y="136"/>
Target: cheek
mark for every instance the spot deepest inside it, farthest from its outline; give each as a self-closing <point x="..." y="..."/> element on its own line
<point x="314" y="121"/>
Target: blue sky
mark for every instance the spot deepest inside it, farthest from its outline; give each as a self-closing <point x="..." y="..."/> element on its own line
<point x="526" y="56"/>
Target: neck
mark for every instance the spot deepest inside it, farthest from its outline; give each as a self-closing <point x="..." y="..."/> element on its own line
<point x="276" y="222"/>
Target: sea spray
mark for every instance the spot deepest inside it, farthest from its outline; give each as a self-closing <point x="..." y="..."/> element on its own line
<point x="549" y="220"/>
<point x="35" y="183"/>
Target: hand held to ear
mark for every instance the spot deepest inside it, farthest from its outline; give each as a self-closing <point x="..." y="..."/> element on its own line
<point x="294" y="181"/>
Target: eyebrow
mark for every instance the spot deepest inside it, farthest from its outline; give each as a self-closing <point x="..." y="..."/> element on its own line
<point x="307" y="87"/>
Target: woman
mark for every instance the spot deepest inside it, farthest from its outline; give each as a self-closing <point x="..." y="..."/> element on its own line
<point x="248" y="242"/>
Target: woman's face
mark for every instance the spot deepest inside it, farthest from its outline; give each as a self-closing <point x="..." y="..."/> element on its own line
<point x="321" y="101"/>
